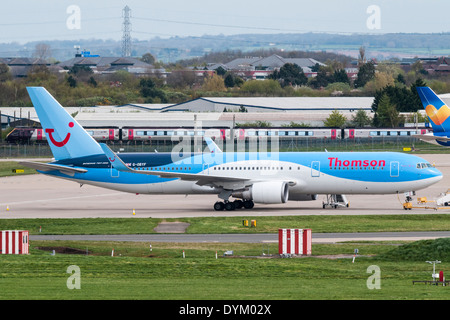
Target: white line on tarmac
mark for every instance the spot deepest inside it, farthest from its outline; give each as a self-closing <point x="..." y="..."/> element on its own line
<point x="59" y="199"/>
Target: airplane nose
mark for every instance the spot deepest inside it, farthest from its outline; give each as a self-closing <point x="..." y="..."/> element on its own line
<point x="437" y="175"/>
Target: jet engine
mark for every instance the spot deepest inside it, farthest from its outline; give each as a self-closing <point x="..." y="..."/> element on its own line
<point x="266" y="192"/>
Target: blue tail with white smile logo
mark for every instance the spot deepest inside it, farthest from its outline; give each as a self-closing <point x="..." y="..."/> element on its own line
<point x="66" y="137"/>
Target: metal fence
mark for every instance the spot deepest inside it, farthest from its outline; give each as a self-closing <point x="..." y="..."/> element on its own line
<point x="42" y="150"/>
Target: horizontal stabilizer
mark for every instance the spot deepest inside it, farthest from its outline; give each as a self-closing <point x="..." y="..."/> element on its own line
<point x="430" y="137"/>
<point x="52" y="167"/>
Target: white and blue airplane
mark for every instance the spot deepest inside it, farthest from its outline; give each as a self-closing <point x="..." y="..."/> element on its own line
<point x="438" y="113"/>
<point x="248" y="177"/>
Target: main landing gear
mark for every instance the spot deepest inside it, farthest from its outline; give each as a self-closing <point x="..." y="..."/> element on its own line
<point x="233" y="205"/>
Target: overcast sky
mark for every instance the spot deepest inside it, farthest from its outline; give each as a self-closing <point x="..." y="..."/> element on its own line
<point x="29" y="20"/>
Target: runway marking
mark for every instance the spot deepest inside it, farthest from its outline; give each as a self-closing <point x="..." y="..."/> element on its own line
<point x="59" y="199"/>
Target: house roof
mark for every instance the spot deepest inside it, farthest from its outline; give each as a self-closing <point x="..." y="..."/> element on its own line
<point x="271" y="62"/>
<point x="240" y="63"/>
<point x="104" y="62"/>
<point x="20" y="67"/>
<point x="14" y="61"/>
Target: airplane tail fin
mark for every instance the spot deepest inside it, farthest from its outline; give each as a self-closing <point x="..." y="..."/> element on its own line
<point x="66" y="137"/>
<point x="437" y="111"/>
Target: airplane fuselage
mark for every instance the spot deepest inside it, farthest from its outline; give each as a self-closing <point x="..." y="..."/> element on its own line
<point x="307" y="172"/>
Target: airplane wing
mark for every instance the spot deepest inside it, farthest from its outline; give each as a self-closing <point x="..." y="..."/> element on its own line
<point x="202" y="179"/>
<point x="52" y="167"/>
<point x="430" y="137"/>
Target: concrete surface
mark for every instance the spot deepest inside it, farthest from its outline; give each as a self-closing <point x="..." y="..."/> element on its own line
<point x="39" y="196"/>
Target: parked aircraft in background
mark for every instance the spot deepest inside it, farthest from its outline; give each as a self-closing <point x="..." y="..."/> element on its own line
<point x="438" y="113"/>
<point x="249" y="177"/>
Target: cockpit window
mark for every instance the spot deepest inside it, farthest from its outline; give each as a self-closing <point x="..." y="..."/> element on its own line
<point x="424" y="165"/>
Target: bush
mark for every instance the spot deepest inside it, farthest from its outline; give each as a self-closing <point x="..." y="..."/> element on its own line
<point x="423" y="250"/>
<point x="262" y="87"/>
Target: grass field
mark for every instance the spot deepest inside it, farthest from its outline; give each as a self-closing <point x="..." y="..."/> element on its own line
<point x="369" y="223"/>
<point x="135" y="272"/>
<point x="6" y="168"/>
<point x="163" y="274"/>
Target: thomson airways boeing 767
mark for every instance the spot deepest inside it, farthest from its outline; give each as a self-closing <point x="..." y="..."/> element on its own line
<point x="250" y="178"/>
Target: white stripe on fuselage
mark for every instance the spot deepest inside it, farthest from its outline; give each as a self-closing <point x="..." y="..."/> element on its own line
<point x="305" y="179"/>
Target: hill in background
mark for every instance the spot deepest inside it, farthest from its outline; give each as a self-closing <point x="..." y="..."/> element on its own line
<point x="395" y="45"/>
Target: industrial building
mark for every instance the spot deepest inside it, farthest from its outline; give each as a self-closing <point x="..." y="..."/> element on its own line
<point x="215" y="111"/>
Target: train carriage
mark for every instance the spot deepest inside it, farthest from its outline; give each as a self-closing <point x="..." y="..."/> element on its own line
<point x="146" y="134"/>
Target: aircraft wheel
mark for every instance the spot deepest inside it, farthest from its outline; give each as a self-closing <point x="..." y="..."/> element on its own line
<point x="239" y="204"/>
<point x="229" y="206"/>
<point x="219" y="206"/>
<point x="248" y="204"/>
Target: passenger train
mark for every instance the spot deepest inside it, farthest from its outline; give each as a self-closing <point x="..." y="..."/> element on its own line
<point x="143" y="134"/>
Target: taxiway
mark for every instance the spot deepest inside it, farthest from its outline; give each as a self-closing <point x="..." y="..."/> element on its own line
<point x="40" y="196"/>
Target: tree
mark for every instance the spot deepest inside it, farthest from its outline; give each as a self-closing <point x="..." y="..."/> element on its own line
<point x="406" y="99"/>
<point x="181" y="79"/>
<point x="149" y="91"/>
<point x="401" y="78"/>
<point x="214" y="83"/>
<point x="315" y="68"/>
<point x="360" y="119"/>
<point x="416" y="103"/>
<point x="148" y="58"/>
<point x="335" y="120"/>
<point x="72" y="82"/>
<point x="221" y="71"/>
<point x="387" y="114"/>
<point x="229" y="81"/>
<point x="42" y="51"/>
<point x="4" y="72"/>
<point x="365" y="74"/>
<point x="92" y="82"/>
<point x="340" y="76"/>
<point x="263" y="88"/>
<point x="362" y="55"/>
<point x="380" y="81"/>
<point x="321" y="80"/>
<point x="290" y="74"/>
